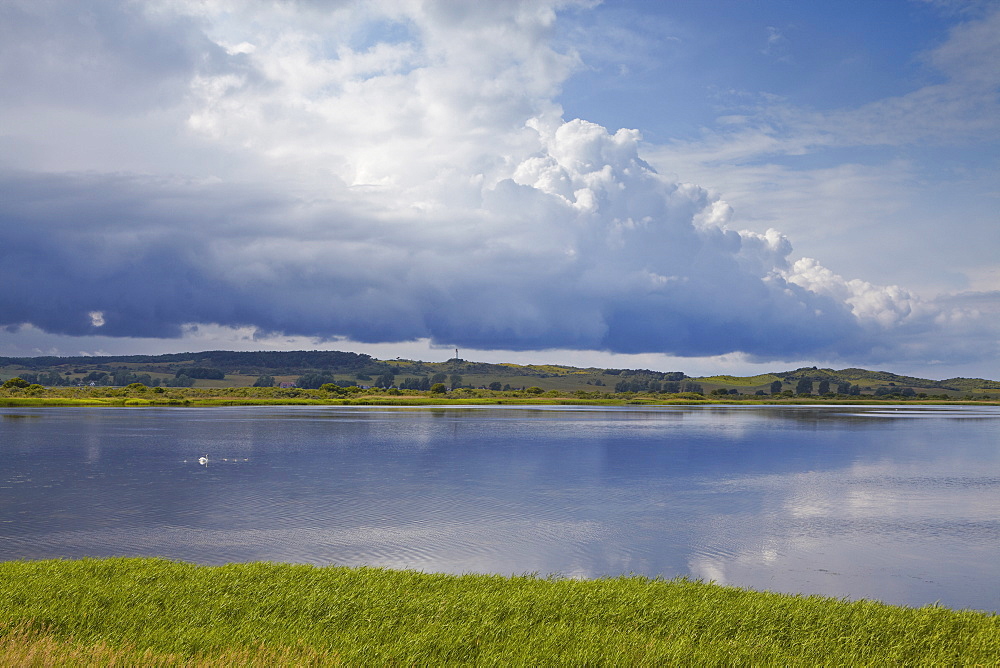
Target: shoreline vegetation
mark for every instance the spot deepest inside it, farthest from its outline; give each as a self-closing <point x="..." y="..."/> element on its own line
<point x="340" y="378"/>
<point x="137" y="395"/>
<point x="129" y="611"/>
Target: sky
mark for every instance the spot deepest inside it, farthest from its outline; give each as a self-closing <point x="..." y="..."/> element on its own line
<point x="708" y="186"/>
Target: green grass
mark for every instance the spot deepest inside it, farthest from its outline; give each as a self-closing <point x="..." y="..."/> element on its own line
<point x="16" y="402"/>
<point x="739" y="381"/>
<point x="144" y="611"/>
<point x="141" y="396"/>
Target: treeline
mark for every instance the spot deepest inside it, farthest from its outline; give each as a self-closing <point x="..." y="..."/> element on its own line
<point x="121" y="378"/>
<point x="646" y="374"/>
<point x="645" y="380"/>
<point x="805" y="386"/>
<point x="315" y="368"/>
<point x="861" y="377"/>
<point x="644" y="385"/>
<point x="201" y="372"/>
<point x="314" y="381"/>
<point x="278" y="362"/>
<point x="283" y="362"/>
<point x="49" y="378"/>
<point x="118" y="378"/>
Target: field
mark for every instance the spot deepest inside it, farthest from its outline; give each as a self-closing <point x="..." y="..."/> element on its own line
<point x="150" y="611"/>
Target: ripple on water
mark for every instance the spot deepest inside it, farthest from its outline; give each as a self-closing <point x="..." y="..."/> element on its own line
<point x="952" y="413"/>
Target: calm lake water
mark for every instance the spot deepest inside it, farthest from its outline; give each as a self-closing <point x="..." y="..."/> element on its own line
<point x="896" y="504"/>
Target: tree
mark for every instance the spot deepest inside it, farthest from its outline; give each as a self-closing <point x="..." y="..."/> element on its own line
<point x="264" y="381"/>
<point x="824" y="387"/>
<point x="438" y="388"/>
<point x="456" y="381"/>
<point x="776" y="387"/>
<point x="96" y="377"/>
<point x="804" y="386"/>
<point x="496" y="386"/>
<point x="52" y="378"/>
<point x="312" y="381"/>
<point x="16" y="382"/>
<point x="122" y="377"/>
<point x="423" y="383"/>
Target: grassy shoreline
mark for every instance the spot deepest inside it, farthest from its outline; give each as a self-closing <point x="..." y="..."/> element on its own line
<point x="153" y="611"/>
<point x="197" y="398"/>
<point x="213" y="402"/>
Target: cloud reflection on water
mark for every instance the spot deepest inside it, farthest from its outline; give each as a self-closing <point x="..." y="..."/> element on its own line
<point x="906" y="533"/>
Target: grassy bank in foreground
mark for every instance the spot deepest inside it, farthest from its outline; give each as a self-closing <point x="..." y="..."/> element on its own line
<point x="150" y="611"/>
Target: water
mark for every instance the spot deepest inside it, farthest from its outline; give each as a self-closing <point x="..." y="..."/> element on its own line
<point x="900" y="505"/>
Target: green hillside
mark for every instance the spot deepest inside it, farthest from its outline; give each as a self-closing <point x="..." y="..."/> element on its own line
<point x="310" y="369"/>
<point x="741" y="381"/>
<point x="885" y="378"/>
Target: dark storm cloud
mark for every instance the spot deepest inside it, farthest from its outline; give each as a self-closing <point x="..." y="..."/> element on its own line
<point x="152" y="255"/>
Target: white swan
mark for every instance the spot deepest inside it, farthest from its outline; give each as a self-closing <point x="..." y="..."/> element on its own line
<point x="203" y="460"/>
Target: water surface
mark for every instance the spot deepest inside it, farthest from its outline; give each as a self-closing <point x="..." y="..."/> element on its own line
<point x="895" y="504"/>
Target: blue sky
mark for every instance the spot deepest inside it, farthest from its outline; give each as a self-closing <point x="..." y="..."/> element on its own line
<point x="716" y="186"/>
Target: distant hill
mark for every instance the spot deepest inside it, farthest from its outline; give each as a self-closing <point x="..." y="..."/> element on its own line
<point x="229" y="361"/>
<point x="223" y="368"/>
<point x="885" y="378"/>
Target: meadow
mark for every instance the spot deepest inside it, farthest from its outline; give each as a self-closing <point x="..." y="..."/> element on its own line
<point x="158" y="612"/>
